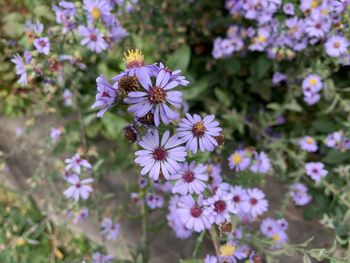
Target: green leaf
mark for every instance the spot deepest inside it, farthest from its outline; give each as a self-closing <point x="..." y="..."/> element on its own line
<point x="306" y="259"/>
<point x="180" y="59"/>
<point x="196" y="89"/>
<point x="223" y="97"/>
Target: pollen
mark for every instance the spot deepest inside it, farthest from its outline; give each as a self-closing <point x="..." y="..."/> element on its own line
<point x="236" y="158"/>
<point x="261" y="39"/>
<point x="336" y="44"/>
<point x="309" y="140"/>
<point x="313" y="82"/>
<point x="276" y="237"/>
<point x="314" y="4"/>
<point x="133" y="58"/>
<point x="96" y="13"/>
<point x="198" y="129"/>
<point x="157" y="95"/>
<point x="227" y="250"/>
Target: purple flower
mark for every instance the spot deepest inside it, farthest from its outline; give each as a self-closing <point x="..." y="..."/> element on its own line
<point x="315" y="170"/>
<point x="316" y="27"/>
<point x="312" y="99"/>
<point x="196" y="131"/>
<point x="334" y="139"/>
<point x="299" y="194"/>
<point x="174" y="75"/>
<point x="336" y="46"/>
<point x="34" y="27"/>
<point x="174" y="220"/>
<point x="65" y="13"/>
<point x="256" y="204"/>
<point x="312" y="84"/>
<point x="192" y="213"/>
<point x="92" y="38"/>
<point x="97" y="9"/>
<point x="220" y="207"/>
<point x="279" y="77"/>
<point x="97" y="257"/>
<point x="67" y="97"/>
<point x="156" y="98"/>
<point x="82" y="215"/>
<point x="308" y="144"/>
<point x="261" y="163"/>
<point x="210" y="259"/>
<point x="110" y="229"/>
<point x="190" y="178"/>
<point x="105" y="97"/>
<point x="20" y="69"/>
<point x="55" y="133"/>
<point x="231" y="252"/>
<point x="224" y="47"/>
<point x="75" y="163"/>
<point x="239" y="161"/>
<point x="268" y="227"/>
<point x="154" y="200"/>
<point x="160" y="157"/>
<point x="282" y="224"/>
<point x="288" y="9"/>
<point x="79" y="188"/>
<point x="239" y="195"/>
<point x="42" y="45"/>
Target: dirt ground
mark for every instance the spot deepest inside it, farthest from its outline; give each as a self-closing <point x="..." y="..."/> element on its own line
<point x="163" y="246"/>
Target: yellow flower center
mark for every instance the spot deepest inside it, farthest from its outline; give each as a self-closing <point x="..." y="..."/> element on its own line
<point x="314" y="4"/>
<point x="133" y="58"/>
<point x="313" y="82"/>
<point x="324" y="11"/>
<point x="261" y="39"/>
<point x="96" y="13"/>
<point x="276" y="237"/>
<point x="237" y="158"/>
<point x="309" y="140"/>
<point x="227" y="250"/>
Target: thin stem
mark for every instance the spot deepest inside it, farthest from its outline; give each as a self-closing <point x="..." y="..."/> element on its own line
<point x="144" y="238"/>
<point x="215" y="240"/>
<point x="198" y="245"/>
<point x="80" y="119"/>
<point x="334" y="191"/>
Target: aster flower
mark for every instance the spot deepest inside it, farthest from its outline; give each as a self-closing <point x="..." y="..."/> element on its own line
<point x="79" y="188"/>
<point x="173" y="75"/>
<point x="190" y="178"/>
<point x="239" y="161"/>
<point x="336" y="46"/>
<point x="97" y="9"/>
<point x="82" y="215"/>
<point x="220" y="207"/>
<point x="256" y="204"/>
<point x="97" y="257"/>
<point x="135" y="64"/>
<point x="42" y="45"/>
<point x="282" y="224"/>
<point x="210" y="259"/>
<point x="154" y="201"/>
<point x="34" y="27"/>
<point x="67" y="97"/>
<point x="312" y="99"/>
<point x="315" y="170"/>
<point x="160" y="157"/>
<point x="299" y="194"/>
<point x="174" y="220"/>
<point x="192" y="213"/>
<point x="105" y="97"/>
<point x="308" y="144"/>
<point x="198" y="132"/>
<point x="223" y="48"/>
<point x="75" y="163"/>
<point x="65" y="12"/>
<point x="334" y="139"/>
<point x="231" y="252"/>
<point x="261" y="163"/>
<point x="55" y="133"/>
<point x="20" y="69"/>
<point x="279" y="77"/>
<point x="316" y="27"/>
<point x="312" y="84"/>
<point x="92" y="38"/>
<point x="288" y="9"/>
<point x="268" y="227"/>
<point x="239" y="195"/>
<point x="156" y="98"/>
<point x="110" y="229"/>
<point x="279" y="238"/>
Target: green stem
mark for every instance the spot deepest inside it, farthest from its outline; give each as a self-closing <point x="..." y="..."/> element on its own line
<point x="198" y="245"/>
<point x="215" y="240"/>
<point x="144" y="238"/>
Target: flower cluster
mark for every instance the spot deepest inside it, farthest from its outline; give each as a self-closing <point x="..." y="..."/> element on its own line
<point x="276" y="230"/>
<point x="338" y="141"/>
<point x="102" y="27"/>
<point x="257" y="162"/>
<point x="79" y="188"/>
<point x="299" y="194"/>
<point x="110" y="229"/>
<point x="311" y="86"/>
<point x="308" y="24"/>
